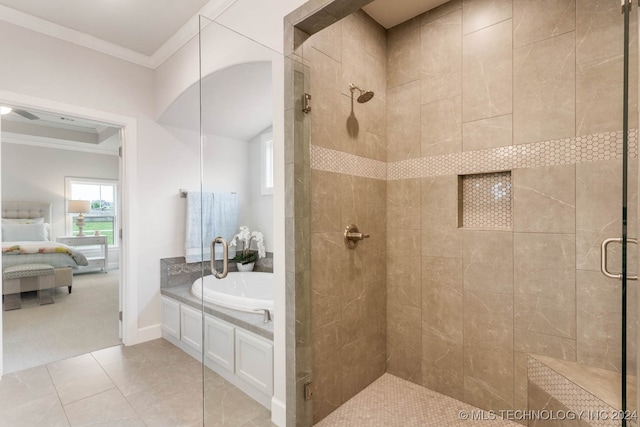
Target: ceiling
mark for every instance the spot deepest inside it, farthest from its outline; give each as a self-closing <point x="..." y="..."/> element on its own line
<point x="144" y="32"/>
<point x="390" y="13"/>
<point x="139" y="25"/>
<point x="147" y="32"/>
<point x="51" y="130"/>
<point x="134" y="30"/>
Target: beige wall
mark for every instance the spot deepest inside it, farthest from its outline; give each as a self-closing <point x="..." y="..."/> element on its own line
<point x="480" y="75"/>
<point x="348" y="286"/>
<point x="474" y="86"/>
<point x="38" y="173"/>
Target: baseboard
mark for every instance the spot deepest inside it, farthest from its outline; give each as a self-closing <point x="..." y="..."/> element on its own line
<point x="145" y="334"/>
<point x="278" y="412"/>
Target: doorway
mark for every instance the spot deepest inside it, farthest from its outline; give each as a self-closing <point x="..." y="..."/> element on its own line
<point x="121" y="131"/>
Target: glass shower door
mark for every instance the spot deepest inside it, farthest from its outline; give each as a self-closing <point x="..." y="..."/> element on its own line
<point x="238" y="136"/>
<point x="629" y="282"/>
<point x="626" y="262"/>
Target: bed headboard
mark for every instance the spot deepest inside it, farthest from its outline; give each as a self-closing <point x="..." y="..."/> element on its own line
<point x="27" y="210"/>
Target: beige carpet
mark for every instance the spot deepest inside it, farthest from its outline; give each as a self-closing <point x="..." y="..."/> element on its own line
<point x="81" y="322"/>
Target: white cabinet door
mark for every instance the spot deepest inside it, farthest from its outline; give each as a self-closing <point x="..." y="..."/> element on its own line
<point x="170" y="317"/>
<point x="191" y="327"/>
<point x="219" y="343"/>
<point x="254" y="361"/>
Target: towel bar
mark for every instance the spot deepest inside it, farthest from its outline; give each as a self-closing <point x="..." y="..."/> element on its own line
<point x="183" y="193"/>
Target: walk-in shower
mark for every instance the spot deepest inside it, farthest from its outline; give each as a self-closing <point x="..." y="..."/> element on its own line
<point x="489" y="300"/>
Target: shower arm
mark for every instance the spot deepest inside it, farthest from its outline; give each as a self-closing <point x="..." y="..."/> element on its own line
<point x="353" y="87"/>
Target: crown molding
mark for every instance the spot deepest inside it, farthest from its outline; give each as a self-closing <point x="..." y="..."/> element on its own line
<point x="13" y="138"/>
<point x="189" y="30"/>
<point x="30" y="22"/>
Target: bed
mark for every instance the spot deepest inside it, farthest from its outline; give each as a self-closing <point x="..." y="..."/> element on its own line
<point x="27" y="240"/>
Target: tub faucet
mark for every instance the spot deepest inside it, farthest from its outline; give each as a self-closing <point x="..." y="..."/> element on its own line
<point x="267" y="314"/>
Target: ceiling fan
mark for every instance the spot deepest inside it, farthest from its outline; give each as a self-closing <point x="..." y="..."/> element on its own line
<point x="25" y="114"/>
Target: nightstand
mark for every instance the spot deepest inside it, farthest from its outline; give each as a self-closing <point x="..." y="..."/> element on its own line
<point x="99" y="261"/>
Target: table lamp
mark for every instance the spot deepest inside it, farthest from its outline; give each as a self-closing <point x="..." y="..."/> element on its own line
<point x="80" y="207"/>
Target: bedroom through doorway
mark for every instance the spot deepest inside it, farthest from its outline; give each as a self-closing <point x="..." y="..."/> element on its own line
<point x="56" y="168"/>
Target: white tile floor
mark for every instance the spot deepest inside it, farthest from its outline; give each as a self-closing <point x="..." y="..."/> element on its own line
<point x="155" y="384"/>
<point x="152" y="384"/>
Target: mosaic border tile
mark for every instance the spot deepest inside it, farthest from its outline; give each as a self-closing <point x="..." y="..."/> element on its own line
<point x="349" y="164"/>
<point x="176" y="269"/>
<point x="580" y="149"/>
<point x="263" y="264"/>
<point x="568" y="393"/>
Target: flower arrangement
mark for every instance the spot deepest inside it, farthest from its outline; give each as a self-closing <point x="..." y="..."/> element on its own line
<point x="246" y="255"/>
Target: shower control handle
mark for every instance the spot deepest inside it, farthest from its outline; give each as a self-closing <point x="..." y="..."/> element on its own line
<point x="352" y="236"/>
<point x="225" y="258"/>
<point x="357" y="236"/>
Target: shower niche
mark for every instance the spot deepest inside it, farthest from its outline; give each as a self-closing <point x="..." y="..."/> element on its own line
<point x="485" y="201"/>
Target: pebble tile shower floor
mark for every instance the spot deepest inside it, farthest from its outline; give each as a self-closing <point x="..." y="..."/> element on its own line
<point x="393" y="402"/>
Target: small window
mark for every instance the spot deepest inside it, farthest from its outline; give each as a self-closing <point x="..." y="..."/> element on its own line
<point x="266" y="142"/>
<point x="102" y="193"/>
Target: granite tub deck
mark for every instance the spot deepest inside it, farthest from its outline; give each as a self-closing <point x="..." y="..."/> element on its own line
<point x="558" y="385"/>
<point x="176" y="278"/>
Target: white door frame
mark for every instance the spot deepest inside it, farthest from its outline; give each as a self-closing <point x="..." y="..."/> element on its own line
<point x="128" y="268"/>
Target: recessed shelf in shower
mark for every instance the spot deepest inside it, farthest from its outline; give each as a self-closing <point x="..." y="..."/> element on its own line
<point x="484" y="200"/>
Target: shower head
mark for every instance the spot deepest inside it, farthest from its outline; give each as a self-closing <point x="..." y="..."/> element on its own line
<point x="365" y="95"/>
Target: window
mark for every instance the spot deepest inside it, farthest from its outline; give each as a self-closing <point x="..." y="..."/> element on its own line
<point x="266" y="143"/>
<point x="103" y="216"/>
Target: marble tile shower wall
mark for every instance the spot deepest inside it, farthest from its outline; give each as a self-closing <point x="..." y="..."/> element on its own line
<point x="465" y="306"/>
<point x="473" y="86"/>
<point x="348" y="301"/>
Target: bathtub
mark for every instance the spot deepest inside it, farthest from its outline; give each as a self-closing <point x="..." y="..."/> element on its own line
<point x="240" y="291"/>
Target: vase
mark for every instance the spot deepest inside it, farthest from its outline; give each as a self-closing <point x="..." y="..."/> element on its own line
<point x="245" y="267"/>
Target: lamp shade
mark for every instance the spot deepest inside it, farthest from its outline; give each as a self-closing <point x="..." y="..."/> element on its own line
<point x="79" y="206"/>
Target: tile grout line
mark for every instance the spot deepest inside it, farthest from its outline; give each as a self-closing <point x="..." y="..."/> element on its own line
<point x="55" y="387"/>
<point x="116" y="387"/>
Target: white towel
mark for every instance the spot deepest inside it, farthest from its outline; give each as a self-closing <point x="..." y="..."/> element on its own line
<point x="225" y="221"/>
<point x="220" y="214"/>
<point x="193" y="230"/>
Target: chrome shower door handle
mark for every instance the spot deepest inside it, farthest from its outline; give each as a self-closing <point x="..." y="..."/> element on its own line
<point x="604" y="251"/>
<point x="225" y="258"/>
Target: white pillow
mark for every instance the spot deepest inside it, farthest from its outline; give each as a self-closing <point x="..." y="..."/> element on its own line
<point x="23" y="220"/>
<point x="25" y="232"/>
